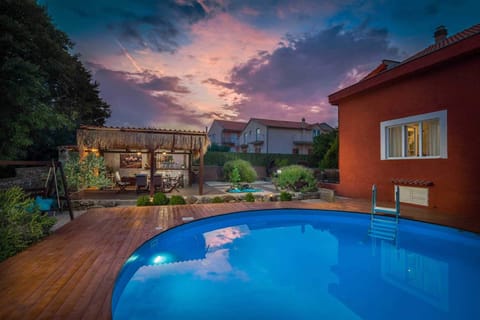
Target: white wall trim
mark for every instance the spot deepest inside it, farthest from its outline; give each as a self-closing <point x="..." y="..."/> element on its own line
<point x="441" y="115"/>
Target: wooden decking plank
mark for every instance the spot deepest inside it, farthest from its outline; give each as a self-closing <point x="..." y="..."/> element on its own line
<point x="73" y="283"/>
<point x="106" y="243"/>
<point x="33" y="302"/>
<point x="107" y="266"/>
<point x="143" y="222"/>
<point x="83" y="244"/>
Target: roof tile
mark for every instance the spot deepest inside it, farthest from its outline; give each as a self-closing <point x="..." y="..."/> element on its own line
<point x="232" y="125"/>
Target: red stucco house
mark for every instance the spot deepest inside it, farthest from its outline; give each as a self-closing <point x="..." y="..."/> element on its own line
<point x="416" y="123"/>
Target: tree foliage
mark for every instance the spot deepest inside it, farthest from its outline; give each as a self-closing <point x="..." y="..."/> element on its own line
<point x="325" y="150"/>
<point x="45" y="91"/>
<point x="330" y="159"/>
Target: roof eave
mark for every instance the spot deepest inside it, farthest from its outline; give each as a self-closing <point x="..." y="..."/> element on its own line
<point x="465" y="47"/>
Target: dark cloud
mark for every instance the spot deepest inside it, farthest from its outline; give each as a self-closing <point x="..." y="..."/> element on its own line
<point x="411" y="10"/>
<point x="300" y="74"/>
<point x="162" y="28"/>
<point x="312" y="63"/>
<point x="132" y="105"/>
<point x="434" y="7"/>
<point x="165" y="84"/>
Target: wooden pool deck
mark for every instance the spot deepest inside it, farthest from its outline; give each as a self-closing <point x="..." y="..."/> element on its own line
<point x="71" y="273"/>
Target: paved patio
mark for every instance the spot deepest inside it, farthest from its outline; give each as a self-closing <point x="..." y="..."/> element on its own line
<point x="71" y="273"/>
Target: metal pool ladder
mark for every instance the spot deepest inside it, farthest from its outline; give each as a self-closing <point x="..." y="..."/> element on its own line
<point x="384" y="225"/>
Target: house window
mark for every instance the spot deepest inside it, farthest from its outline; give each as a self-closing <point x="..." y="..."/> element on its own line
<point x="257" y="134"/>
<point x="417" y="137"/>
<point x="295" y="151"/>
<point x="258" y="149"/>
<point x="245" y="137"/>
<point x="315" y="132"/>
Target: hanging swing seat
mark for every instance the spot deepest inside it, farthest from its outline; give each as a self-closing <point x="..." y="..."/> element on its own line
<point x="44" y="204"/>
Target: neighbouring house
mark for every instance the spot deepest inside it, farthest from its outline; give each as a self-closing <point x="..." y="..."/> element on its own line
<point x="226" y="133"/>
<point x="415" y="124"/>
<point x="276" y="136"/>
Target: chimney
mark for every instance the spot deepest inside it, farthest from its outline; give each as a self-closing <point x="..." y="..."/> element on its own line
<point x="440" y="34"/>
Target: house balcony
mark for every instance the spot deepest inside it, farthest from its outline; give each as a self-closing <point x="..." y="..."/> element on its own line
<point x="229" y="142"/>
<point x="258" y="139"/>
<point x="303" y="139"/>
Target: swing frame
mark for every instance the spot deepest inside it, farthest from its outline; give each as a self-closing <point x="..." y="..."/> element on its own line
<point x="53" y="167"/>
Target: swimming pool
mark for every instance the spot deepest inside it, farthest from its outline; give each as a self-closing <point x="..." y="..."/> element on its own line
<point x="300" y="264"/>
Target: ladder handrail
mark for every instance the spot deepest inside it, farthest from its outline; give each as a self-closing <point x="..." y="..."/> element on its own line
<point x="397" y="200"/>
<point x="374" y="230"/>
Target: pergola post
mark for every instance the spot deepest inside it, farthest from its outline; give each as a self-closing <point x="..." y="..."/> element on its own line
<point x="200" y="173"/>
<point x="152" y="170"/>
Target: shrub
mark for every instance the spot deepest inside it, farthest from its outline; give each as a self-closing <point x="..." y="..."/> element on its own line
<point x="160" y="199"/>
<point x="177" y="200"/>
<point x="217" y="200"/>
<point x="88" y="172"/>
<point x="21" y="222"/>
<point x="296" y="178"/>
<point x="143" y="201"/>
<point x="245" y="169"/>
<point x="285" y="196"/>
<point x="249" y="197"/>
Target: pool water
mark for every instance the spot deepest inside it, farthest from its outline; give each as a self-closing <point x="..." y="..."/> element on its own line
<point x="300" y="264"/>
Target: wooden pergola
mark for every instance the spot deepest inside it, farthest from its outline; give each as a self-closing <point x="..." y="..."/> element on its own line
<point x="193" y="143"/>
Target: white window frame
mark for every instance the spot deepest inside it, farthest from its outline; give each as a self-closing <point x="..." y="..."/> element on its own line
<point x="384" y="125"/>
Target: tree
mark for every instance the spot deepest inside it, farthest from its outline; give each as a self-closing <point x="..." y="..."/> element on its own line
<point x="45" y="91"/>
<point x="330" y="159"/>
<point x="321" y="146"/>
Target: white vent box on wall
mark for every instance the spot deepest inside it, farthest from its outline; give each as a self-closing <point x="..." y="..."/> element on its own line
<point x="414" y="195"/>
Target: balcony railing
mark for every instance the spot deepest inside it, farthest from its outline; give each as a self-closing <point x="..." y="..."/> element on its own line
<point x="230" y="141"/>
<point x="256" y="139"/>
<point x="303" y="139"/>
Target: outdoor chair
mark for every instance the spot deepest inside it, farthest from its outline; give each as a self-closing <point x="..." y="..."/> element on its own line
<point x="173" y="183"/>
<point x="157" y="182"/>
<point x="119" y="183"/>
<point x="141" y="182"/>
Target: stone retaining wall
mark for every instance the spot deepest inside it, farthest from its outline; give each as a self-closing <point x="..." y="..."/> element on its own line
<point x="27" y="178"/>
<point x="323" y="194"/>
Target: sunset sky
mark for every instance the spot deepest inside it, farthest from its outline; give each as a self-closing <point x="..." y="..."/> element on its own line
<point x="182" y="63"/>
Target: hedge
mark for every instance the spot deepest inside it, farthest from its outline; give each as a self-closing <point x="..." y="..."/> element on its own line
<point x="256" y="159"/>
